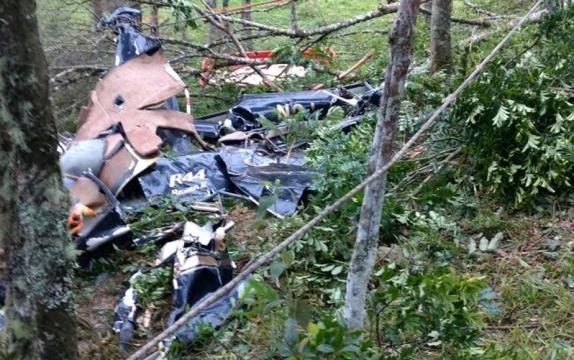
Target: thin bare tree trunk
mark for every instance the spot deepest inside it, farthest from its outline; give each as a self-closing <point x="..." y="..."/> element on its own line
<point x="294" y="19"/>
<point x="246" y="15"/>
<point x="441" y="48"/>
<point x="33" y="204"/>
<point x="213" y="33"/>
<point x="154" y="20"/>
<point x="362" y="260"/>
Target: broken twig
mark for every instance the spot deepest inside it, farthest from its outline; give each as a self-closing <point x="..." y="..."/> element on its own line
<point x="354" y="67"/>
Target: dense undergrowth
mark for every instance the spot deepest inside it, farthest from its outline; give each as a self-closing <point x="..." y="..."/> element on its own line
<point x="476" y="255"/>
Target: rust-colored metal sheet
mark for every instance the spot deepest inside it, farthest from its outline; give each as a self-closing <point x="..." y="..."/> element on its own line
<point x="140" y="127"/>
<point x="143" y="81"/>
<point x="93" y="119"/>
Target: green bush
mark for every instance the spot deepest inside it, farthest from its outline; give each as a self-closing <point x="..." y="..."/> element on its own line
<point x="427" y="307"/>
<point x="518" y="120"/>
<point x="327" y="338"/>
<point x="520" y="139"/>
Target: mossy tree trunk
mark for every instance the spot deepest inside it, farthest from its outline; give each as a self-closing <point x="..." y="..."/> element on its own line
<point x="366" y="243"/>
<point x="33" y="204"/>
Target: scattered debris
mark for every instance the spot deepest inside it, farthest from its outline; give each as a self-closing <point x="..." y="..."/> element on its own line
<point x="201" y="265"/>
<point x="245" y="75"/>
<point x="115" y="152"/>
<point x="554" y="244"/>
<point x="114" y="164"/>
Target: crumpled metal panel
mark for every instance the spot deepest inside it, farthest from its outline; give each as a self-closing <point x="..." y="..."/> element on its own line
<point x="214" y="315"/>
<point x="140" y="127"/>
<point x="130" y="42"/>
<point x="189" y="177"/>
<point x="282" y="179"/>
<point x="126" y="89"/>
<point x="244" y="114"/>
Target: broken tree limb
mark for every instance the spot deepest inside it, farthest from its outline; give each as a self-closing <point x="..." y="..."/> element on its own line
<point x="383" y="9"/>
<point x="206" y="51"/>
<point x="91" y="69"/>
<point x="353" y="67"/>
<point x="263" y="259"/>
<point x="356" y="65"/>
<point x="479" y="10"/>
<point x="229" y="9"/>
<point x="483" y="22"/>
<point x="533" y="18"/>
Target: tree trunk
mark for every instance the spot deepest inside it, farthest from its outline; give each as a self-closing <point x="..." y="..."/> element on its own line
<point x="441" y="50"/>
<point x="213" y="33"/>
<point x="33" y="204"/>
<point x="154" y="21"/>
<point x="246" y="15"/>
<point x="362" y="260"/>
<point x="294" y="19"/>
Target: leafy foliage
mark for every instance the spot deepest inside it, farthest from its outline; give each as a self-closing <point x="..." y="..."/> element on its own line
<point x="519" y="124"/>
<point x="153" y="286"/>
<point x="325" y="339"/>
<point x="427" y="306"/>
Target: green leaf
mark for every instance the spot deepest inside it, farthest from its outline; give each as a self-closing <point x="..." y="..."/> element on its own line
<point x="337" y="270"/>
<point x="276" y="269"/>
<point x="325" y="348"/>
<point x="313" y="329"/>
<point x="501" y="116"/>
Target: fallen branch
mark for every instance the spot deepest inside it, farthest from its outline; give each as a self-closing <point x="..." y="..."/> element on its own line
<point x="483" y="23"/>
<point x="92" y="69"/>
<point x="206" y="51"/>
<point x="214" y="19"/>
<point x="227" y="10"/>
<point x="299" y="33"/>
<point x="345" y="73"/>
<point x="533" y="18"/>
<point x="479" y="10"/>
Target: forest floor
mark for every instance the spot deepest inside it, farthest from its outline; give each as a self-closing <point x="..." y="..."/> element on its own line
<point x="531" y="275"/>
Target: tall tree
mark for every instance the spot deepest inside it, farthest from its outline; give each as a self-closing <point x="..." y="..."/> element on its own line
<point x="441" y="48"/>
<point x="33" y="204"/>
<point x="363" y="258"/>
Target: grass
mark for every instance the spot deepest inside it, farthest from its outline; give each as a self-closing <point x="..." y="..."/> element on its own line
<point x="536" y="318"/>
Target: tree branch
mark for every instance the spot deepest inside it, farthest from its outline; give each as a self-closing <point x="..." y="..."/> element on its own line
<point x="216" y="21"/>
<point x="532" y="18"/>
<point x="298" y="33"/>
<point x="483" y="23"/>
<point x="478" y="9"/>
